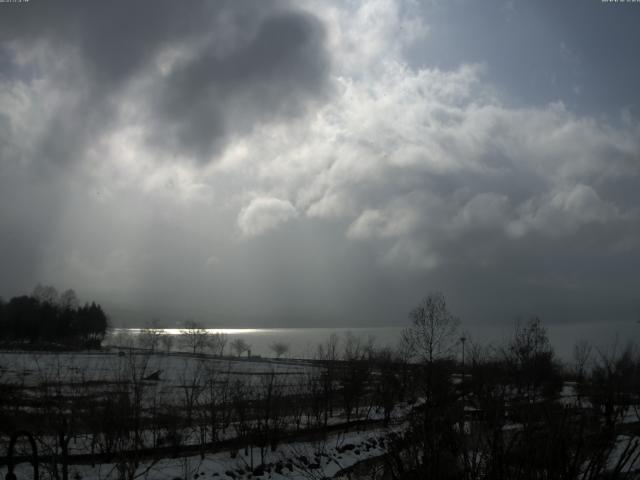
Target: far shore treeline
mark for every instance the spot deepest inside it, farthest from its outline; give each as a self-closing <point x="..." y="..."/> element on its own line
<point x="46" y="317"/>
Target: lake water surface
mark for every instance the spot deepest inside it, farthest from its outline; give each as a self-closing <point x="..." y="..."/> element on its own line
<point x="303" y="342"/>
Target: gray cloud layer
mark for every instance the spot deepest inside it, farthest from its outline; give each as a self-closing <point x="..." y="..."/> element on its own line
<point x="204" y="71"/>
<point x="284" y="163"/>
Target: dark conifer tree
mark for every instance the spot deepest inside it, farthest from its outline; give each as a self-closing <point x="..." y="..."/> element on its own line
<point x="43" y="317"/>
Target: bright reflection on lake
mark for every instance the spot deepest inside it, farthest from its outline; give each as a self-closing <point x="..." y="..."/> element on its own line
<point x="179" y="331"/>
<point x="303" y="342"/>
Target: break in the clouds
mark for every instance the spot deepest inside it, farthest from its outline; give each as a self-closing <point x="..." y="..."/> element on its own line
<point x="302" y="163"/>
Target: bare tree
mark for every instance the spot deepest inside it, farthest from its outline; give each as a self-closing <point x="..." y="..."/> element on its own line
<point x="166" y="339"/>
<point x="354" y="348"/>
<point x="328" y="351"/>
<point x="192" y="385"/>
<point x="431" y="339"/>
<point x="581" y="355"/>
<point x="279" y="348"/>
<point x="218" y="343"/>
<point x="63" y="406"/>
<point x="328" y="354"/>
<point x="433" y="331"/>
<point x="387" y="384"/>
<point x="532" y="364"/>
<point x="195" y="337"/>
<point x="149" y="337"/>
<point x="69" y="300"/>
<point x="239" y="346"/>
<point x="270" y="421"/>
<point x="354" y="376"/>
<point x="217" y="399"/>
<point x="46" y="294"/>
<point x="240" y="395"/>
<point x="614" y="383"/>
<point x="123" y="339"/>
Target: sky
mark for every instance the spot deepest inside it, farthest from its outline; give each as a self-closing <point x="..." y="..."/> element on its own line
<point x="304" y="163"/>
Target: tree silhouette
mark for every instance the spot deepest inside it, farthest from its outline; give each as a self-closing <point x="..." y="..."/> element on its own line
<point x="433" y="331"/>
<point x="239" y="346"/>
<point x="45" y="317"/>
<point x="279" y="348"/>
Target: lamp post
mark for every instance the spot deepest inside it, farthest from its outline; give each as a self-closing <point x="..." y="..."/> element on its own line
<point x="463" y="339"/>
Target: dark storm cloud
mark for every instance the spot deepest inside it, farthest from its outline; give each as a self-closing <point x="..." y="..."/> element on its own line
<point x="254" y="163"/>
<point x="69" y="68"/>
<point x="242" y="63"/>
<point x="273" y="75"/>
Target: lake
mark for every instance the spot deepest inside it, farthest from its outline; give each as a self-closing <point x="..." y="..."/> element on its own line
<point x="303" y="342"/>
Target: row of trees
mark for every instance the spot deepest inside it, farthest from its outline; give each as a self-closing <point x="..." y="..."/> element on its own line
<point x="514" y="411"/>
<point x="45" y="317"/>
<point x="196" y="339"/>
<point x="193" y="338"/>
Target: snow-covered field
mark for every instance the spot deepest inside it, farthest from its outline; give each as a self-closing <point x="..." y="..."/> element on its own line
<point x="32" y="368"/>
<point x="170" y="376"/>
<point x="298" y="460"/>
<point x="171" y="379"/>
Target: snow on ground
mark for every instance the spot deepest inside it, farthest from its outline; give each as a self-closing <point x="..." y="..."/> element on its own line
<point x="30" y="368"/>
<point x="299" y="460"/>
<point x="624" y="452"/>
<point x="81" y="372"/>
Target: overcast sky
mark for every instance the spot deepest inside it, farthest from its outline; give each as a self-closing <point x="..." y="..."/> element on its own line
<point x="323" y="163"/>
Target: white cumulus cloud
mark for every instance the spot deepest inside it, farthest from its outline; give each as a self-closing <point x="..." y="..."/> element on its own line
<point x="264" y="214"/>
